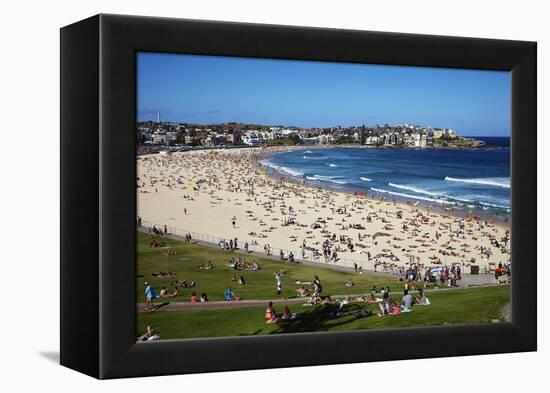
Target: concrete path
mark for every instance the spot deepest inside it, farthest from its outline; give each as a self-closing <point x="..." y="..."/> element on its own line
<point x="220" y="305"/>
<point x="468" y="280"/>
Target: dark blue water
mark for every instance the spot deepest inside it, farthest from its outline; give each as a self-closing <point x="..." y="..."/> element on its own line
<point x="495" y="141"/>
<point x="465" y="179"/>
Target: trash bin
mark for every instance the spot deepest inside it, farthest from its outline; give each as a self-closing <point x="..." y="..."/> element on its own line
<point x="474" y="269"/>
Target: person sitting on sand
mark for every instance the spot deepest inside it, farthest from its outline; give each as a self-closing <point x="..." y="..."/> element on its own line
<point x="270" y="315"/>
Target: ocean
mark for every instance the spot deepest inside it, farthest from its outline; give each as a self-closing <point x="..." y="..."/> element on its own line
<point x="473" y="179"/>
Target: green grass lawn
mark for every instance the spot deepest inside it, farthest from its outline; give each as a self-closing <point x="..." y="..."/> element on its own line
<point x="467" y="306"/>
<point x="261" y="285"/>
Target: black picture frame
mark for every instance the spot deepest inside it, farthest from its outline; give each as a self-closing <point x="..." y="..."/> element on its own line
<point x="98" y="195"/>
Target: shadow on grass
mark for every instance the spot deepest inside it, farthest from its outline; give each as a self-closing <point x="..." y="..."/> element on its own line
<point x="252" y="334"/>
<point x="323" y="318"/>
<point x="157" y="306"/>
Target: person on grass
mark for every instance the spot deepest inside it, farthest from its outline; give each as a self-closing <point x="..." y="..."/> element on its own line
<point x="317" y="287"/>
<point x="229" y="294"/>
<point x="287" y="315"/>
<point x="407" y="301"/>
<point x="279" y="281"/>
<point x="150" y="335"/>
<point x="422" y="299"/>
<point x="270" y="315"/>
<point x="150" y="295"/>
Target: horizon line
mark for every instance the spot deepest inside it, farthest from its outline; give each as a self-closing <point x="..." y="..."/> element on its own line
<point x="303" y="127"/>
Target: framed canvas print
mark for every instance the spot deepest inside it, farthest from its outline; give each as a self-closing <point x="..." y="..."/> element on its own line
<point x="240" y="196"/>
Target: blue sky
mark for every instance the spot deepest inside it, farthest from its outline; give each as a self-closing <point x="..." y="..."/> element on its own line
<point x="214" y="89"/>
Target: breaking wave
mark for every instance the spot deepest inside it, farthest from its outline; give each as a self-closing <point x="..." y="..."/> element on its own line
<point x="503" y="182"/>
<point x="414" y="189"/>
<point x="330" y="179"/>
<point x="290" y="171"/>
<point x="440" y="201"/>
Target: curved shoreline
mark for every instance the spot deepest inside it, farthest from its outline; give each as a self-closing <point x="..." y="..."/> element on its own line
<point x="451" y="211"/>
<point x="205" y="191"/>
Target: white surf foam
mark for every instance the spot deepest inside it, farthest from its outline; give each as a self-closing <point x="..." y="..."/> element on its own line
<point x="503" y="182"/>
<point x="331" y="179"/>
<point x="488" y="205"/>
<point x="414" y="189"/>
<point x="290" y="171"/>
<point x="401" y="194"/>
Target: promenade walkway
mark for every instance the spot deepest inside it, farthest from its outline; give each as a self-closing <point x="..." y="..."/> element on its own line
<point x="221" y="305"/>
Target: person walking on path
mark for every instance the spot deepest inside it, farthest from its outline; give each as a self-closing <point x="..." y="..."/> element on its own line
<point x="317" y="287"/>
<point x="150" y="295"/>
<point x="279" y="281"/>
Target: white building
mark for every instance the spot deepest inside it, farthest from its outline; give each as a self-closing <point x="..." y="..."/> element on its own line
<point x="423" y="141"/>
<point x="372" y="140"/>
<point x="325" y="139"/>
<point x="450" y="134"/>
<point x="251" y="139"/>
<point x="160" y="138"/>
<point x="437" y="134"/>
<point x="416" y="138"/>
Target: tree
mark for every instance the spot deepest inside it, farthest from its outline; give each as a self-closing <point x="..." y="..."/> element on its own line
<point x="295" y="139"/>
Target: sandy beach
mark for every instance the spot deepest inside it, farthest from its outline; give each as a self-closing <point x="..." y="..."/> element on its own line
<point x="226" y="194"/>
